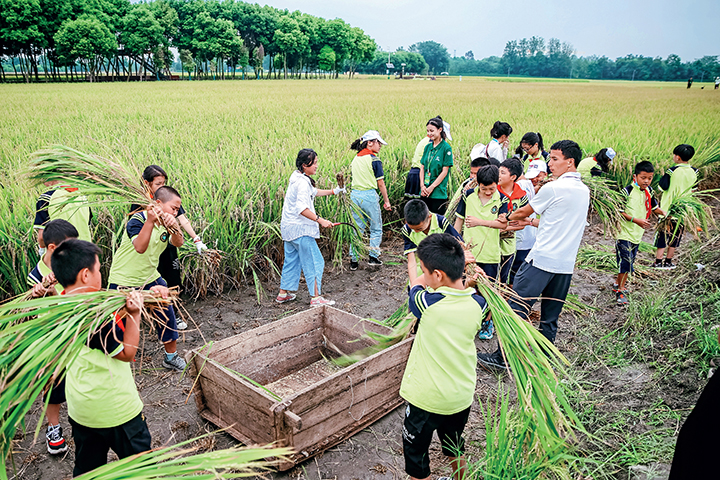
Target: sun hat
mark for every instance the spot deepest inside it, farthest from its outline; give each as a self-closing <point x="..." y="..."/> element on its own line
<point x="534" y="169"/>
<point x="446" y="129"/>
<point x="372" y="135"/>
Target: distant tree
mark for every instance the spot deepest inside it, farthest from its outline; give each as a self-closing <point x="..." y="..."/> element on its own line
<point x="85" y="40"/>
<point x="141" y="35"/>
<point x="327" y="59"/>
<point x="187" y="61"/>
<point x="362" y="49"/>
<point x="511" y="55"/>
<point x="435" y="54"/>
<point x="469" y="55"/>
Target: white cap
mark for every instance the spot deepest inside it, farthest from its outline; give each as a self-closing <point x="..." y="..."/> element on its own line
<point x="446" y="129"/>
<point x="372" y="135"/>
<point x="610" y="153"/>
<point x="535" y="167"/>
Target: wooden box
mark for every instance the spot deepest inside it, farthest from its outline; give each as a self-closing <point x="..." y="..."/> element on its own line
<point x="325" y="408"/>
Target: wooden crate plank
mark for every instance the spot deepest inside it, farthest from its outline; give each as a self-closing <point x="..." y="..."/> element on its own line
<point x="246" y="343"/>
<point x="338" y="382"/>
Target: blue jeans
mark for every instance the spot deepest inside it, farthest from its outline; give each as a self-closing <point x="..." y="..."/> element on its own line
<point x="302" y="254"/>
<point x="369" y="202"/>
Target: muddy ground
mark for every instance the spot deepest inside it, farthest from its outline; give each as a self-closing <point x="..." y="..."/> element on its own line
<point x="374" y="453"/>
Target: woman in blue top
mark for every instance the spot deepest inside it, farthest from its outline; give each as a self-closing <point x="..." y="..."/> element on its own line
<point x="435" y="167"/>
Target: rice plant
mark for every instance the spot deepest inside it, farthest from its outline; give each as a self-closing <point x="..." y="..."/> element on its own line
<point x="690" y="212"/>
<point x="606" y="202"/>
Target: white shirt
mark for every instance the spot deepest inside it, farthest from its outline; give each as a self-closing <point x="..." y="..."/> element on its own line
<point x="525" y="238"/>
<point x="563" y="208"/>
<point x="299" y="196"/>
<point x="496" y="151"/>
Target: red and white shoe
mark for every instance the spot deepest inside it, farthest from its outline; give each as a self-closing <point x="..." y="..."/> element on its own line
<point x="56" y="444"/>
<point x="319" y="301"/>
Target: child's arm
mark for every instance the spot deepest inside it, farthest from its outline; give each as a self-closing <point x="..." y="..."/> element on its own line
<point x="659" y="212"/>
<point x="412" y="266"/>
<point x="423" y="190"/>
<point x="176" y="239"/>
<point x="142" y="239"/>
<point x="476" y="222"/>
<point x="131" y="335"/>
<point x="640" y="222"/>
<point x="521" y="213"/>
<point x="383" y="191"/>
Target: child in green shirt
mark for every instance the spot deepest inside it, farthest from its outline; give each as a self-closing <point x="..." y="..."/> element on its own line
<point x="440" y="376"/>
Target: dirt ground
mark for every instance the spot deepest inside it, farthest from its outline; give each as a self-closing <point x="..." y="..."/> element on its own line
<point x="374" y="453"/>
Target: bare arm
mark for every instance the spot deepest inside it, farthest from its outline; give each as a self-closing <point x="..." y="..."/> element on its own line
<point x="459" y="224"/>
<point x="438" y="180"/>
<point x="307" y="213"/>
<point x="383" y="191"/>
<point x="521" y="213"/>
<point x="185" y="224"/>
<point x="412" y="266"/>
<point x="131" y="336"/>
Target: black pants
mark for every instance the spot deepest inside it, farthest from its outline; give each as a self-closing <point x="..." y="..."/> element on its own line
<point x="436" y="205"/>
<point x="531" y="283"/>
<point x="92" y="444"/>
<point x="169" y="266"/>
<point x="697" y="447"/>
<point x="518" y="261"/>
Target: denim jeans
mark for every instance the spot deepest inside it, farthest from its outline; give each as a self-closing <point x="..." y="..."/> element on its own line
<point x="368" y="201"/>
<point x="302" y="254"/>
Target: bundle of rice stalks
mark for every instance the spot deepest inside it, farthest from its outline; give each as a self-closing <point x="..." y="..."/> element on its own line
<point x="597" y="257"/>
<point x="39" y="338"/>
<point x="607" y="203"/>
<point x="99" y="180"/>
<point x="345" y="232"/>
<point x="688" y="210"/>
<point x="202" y="273"/>
<point x="533" y="361"/>
<point x="455" y="200"/>
<point x="182" y="461"/>
<point x="707" y="158"/>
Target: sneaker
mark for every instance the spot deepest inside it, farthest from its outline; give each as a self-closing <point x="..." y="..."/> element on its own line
<point x="658" y="264"/>
<point x="353" y="266"/>
<point x="55" y="442"/>
<point x="288" y="297"/>
<point x="318" y="301"/>
<point x="374" y="261"/>
<point x="174" y="363"/>
<point x="491" y="361"/>
<point x="181" y="325"/>
<point x="669" y="265"/>
<point x="487" y="331"/>
<point x="621" y="297"/>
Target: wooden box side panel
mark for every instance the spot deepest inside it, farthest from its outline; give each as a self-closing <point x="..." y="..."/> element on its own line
<point x="349" y="397"/>
<point x="345" y="330"/>
<point x="234" y="402"/>
<point x="253" y="341"/>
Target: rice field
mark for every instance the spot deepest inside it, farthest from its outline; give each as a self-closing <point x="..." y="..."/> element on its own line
<point x="229" y="147"/>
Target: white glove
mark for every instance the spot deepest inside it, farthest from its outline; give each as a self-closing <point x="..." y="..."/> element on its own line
<point x="199" y="244"/>
<point x="339" y="190"/>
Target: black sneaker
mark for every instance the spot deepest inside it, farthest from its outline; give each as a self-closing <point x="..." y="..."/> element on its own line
<point x="56" y="444"/>
<point x="374" y="261"/>
<point x="621" y="296"/>
<point x="353" y="265"/>
<point x="491" y="361"/>
<point x="658" y="264"/>
<point x="669" y="265"/>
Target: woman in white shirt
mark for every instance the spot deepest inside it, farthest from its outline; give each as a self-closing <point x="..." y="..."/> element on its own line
<point x="498" y="146"/>
<point x="300" y="227"/>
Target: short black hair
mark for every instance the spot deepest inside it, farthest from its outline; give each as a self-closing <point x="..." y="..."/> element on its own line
<point x="514" y="166"/>
<point x="488" y="175"/>
<point x="442" y="251"/>
<point x="684" y="151"/>
<point x="416" y="211"/>
<point x="57" y="231"/>
<point x="165" y="194"/>
<point x="494" y="161"/>
<point x="153" y="171"/>
<point x="479" y="162"/>
<point x="569" y="149"/>
<point x="644" y="166"/>
<point x="70" y="258"/>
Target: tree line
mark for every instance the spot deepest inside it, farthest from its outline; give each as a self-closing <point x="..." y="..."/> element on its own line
<point x="65" y="39"/>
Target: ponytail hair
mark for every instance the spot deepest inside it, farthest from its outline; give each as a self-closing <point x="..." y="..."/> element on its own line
<point x="531" y="138"/>
<point x="305" y="158"/>
<point x="499" y="129"/>
<point x="358" y="145"/>
<point x="603" y="160"/>
<point x="153" y="171"/>
<point x="437" y="122"/>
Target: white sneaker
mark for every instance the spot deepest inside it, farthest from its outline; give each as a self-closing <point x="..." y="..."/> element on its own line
<point x="181" y="325"/>
<point x="318" y="301"/>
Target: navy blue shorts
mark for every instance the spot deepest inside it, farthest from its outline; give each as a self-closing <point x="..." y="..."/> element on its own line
<point x="165" y="322"/>
<point x="672" y="239"/>
<point x="417" y="433"/>
<point x="506" y="263"/>
<point x="57" y="392"/>
<point x="625" y="252"/>
<point x="490" y="269"/>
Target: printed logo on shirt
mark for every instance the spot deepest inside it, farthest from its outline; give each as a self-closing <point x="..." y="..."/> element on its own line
<point x="164" y="237"/>
<point x="494" y="209"/>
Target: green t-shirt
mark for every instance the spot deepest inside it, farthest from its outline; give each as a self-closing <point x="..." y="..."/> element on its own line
<point x="441" y="373"/>
<point x="55" y="205"/>
<point x="485" y="241"/>
<point x="366" y="171"/>
<point x="586" y="166"/>
<point x="419" y="151"/>
<point x="433" y="161"/>
<point x="130" y="268"/>
<point x="438" y="224"/>
<point x="636" y="201"/>
<point x="101" y="390"/>
<point x="677" y="180"/>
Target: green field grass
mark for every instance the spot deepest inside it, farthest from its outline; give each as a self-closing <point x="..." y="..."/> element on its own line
<point x="230" y="146"/>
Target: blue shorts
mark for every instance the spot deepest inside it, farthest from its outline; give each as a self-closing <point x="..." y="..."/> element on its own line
<point x="490" y="269"/>
<point x="672" y="239"/>
<point x="625" y="252"/>
<point x="165" y="322"/>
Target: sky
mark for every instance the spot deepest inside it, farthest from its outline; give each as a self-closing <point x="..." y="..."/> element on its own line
<point x="614" y="28"/>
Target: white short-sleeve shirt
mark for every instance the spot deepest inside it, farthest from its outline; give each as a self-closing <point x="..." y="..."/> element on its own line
<point x="563" y="208"/>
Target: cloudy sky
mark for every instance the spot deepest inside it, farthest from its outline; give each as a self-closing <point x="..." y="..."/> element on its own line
<point x="614" y="28"/>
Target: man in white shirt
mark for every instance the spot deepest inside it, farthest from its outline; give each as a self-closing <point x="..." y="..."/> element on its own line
<point x="563" y="206"/>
